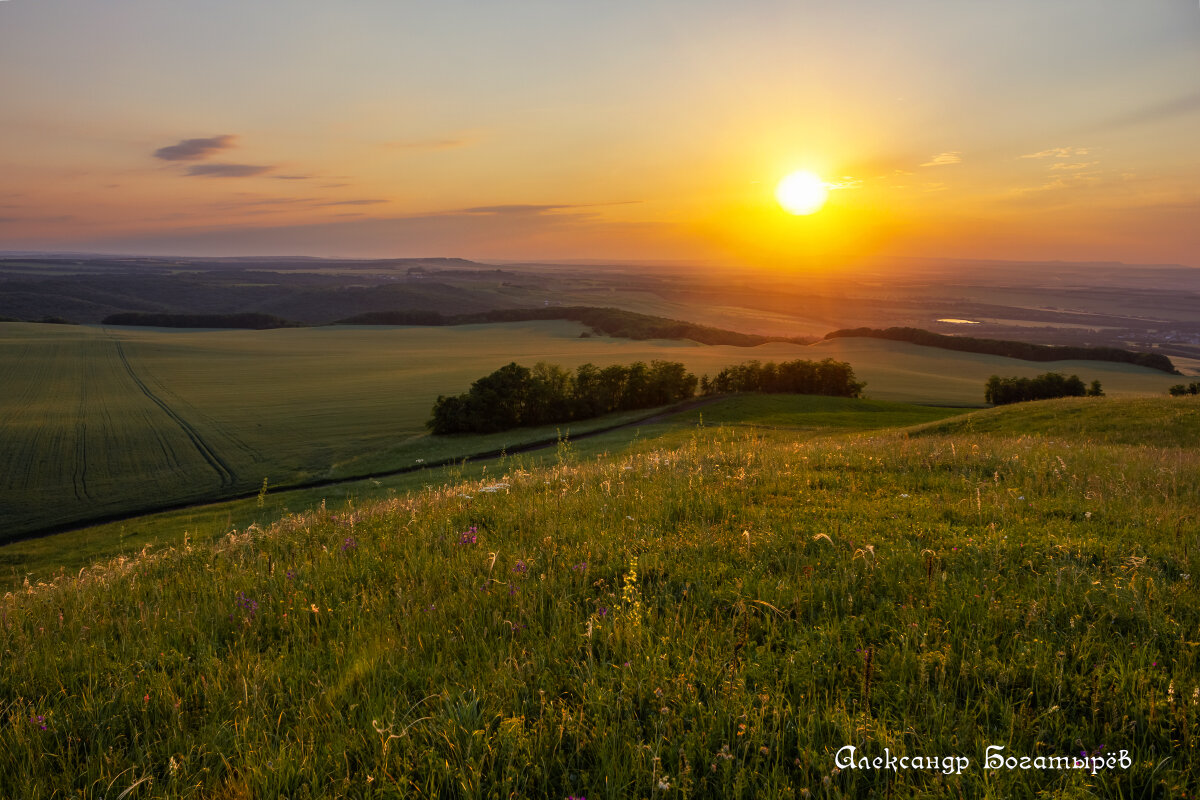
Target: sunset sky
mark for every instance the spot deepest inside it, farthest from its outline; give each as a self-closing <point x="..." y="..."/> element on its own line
<point x="1015" y="129"/>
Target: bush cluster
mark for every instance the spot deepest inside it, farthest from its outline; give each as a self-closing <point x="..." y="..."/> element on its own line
<point x="828" y="377"/>
<point x="1001" y="391"/>
<point x="515" y="396"/>
<point x="1179" y="389"/>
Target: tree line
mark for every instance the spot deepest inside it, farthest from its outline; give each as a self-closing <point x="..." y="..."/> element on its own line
<point x="1002" y="391"/>
<point x="515" y="396"/>
<point x="1179" y="389"/>
<point x="246" y="320"/>
<point x="828" y="377"/>
<point x="613" y="322"/>
<point x="1010" y="349"/>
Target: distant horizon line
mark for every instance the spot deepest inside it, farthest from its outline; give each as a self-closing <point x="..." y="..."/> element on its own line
<point x="573" y="262"/>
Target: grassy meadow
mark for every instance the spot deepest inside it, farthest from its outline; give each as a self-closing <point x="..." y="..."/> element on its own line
<point x="101" y="422"/>
<point x="712" y="612"/>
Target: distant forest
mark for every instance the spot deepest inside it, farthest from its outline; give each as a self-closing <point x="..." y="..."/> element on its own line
<point x="611" y="321"/>
<point x="248" y="320"/>
<point x="515" y="396"/>
<point x="1010" y="349"/>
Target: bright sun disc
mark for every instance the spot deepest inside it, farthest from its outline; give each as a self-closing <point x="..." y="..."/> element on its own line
<point x="801" y="193"/>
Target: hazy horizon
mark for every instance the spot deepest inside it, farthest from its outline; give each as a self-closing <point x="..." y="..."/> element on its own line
<point x="545" y="132"/>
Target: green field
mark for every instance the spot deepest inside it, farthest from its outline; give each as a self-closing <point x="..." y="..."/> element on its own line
<point x="99" y="422"/>
<point x="692" y="612"/>
<point x="804" y="416"/>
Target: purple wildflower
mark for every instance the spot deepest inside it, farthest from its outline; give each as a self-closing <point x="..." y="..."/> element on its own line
<point x="349" y="544"/>
<point x="38" y="720"/>
<point x="580" y="567"/>
<point x="603" y="611"/>
<point x="247" y="604"/>
<point x="291" y="575"/>
<point x="469" y="536"/>
<point x="521" y="567"/>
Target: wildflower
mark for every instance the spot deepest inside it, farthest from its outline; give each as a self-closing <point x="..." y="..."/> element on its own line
<point x="247" y="604"/>
<point x="664" y="784"/>
<point x="38" y="720"/>
<point x="469" y="536"/>
<point x="349" y="544"/>
<point x="582" y="565"/>
<point x="290" y="575"/>
<point x="521" y="567"/>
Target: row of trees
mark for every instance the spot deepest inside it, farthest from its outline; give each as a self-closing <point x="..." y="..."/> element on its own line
<point x="1001" y="391"/>
<point x="515" y="396"/>
<point x="1179" y="389"/>
<point x="828" y="377"/>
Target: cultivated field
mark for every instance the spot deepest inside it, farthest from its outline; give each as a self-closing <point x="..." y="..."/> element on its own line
<point x="714" y="613"/>
<point x="97" y="421"/>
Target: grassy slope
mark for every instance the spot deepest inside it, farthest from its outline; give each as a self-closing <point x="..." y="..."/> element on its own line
<point x="718" y="615"/>
<point x="71" y="550"/>
<point x="1158" y="422"/>
<point x="88" y="432"/>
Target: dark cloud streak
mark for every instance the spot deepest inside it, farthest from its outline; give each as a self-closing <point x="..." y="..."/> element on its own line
<point x="227" y="170"/>
<point x="194" y="149"/>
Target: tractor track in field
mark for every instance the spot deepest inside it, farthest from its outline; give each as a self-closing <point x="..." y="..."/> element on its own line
<point x="226" y="474"/>
<point x="79" y="473"/>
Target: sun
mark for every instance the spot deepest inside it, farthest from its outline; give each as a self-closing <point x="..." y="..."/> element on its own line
<point x="801" y="193"/>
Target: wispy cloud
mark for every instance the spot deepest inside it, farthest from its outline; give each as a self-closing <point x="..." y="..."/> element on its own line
<point x="1180" y="106"/>
<point x="292" y="177"/>
<point x="845" y="182"/>
<point x="1059" y="152"/>
<point x="227" y="170"/>
<point x="944" y="159"/>
<point x="367" y="202"/>
<point x="516" y="209"/>
<point x="1078" y="166"/>
<point x="195" y="149"/>
<point x="428" y="144"/>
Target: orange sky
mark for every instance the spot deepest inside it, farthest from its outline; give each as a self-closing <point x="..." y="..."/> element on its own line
<point x="658" y="130"/>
